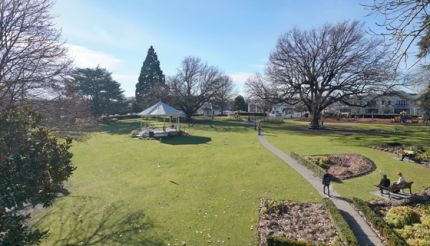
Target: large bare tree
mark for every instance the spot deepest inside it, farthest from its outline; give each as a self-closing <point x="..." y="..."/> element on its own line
<point x="33" y="60"/>
<point x="404" y="24"/>
<point x="334" y="63"/>
<point x="223" y="95"/>
<point x="195" y="83"/>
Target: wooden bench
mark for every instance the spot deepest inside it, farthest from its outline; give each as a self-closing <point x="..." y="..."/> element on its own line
<point x="396" y="187"/>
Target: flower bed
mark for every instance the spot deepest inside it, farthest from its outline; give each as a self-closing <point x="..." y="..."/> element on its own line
<point x="343" y="166"/>
<point x="294" y="223"/>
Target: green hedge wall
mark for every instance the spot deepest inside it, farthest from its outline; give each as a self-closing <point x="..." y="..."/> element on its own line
<point x="314" y="167"/>
<point x="342" y="227"/>
<point x="379" y="223"/>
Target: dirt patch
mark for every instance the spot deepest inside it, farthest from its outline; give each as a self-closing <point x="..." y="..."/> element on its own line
<point x="344" y="166"/>
<point x="308" y="222"/>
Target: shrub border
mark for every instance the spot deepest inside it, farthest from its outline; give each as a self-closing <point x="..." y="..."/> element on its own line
<point x="345" y="232"/>
<point x="378" y="223"/>
<point x="319" y="171"/>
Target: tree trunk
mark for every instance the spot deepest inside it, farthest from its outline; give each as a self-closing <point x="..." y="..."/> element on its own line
<point x="315" y="123"/>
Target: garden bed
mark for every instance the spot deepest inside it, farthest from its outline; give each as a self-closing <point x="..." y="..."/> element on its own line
<point x="343" y="166"/>
<point x="398" y="225"/>
<point x="294" y="223"/>
<point x="421" y="156"/>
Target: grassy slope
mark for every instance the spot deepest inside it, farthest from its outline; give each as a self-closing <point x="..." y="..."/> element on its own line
<point x="356" y="138"/>
<point x="120" y="195"/>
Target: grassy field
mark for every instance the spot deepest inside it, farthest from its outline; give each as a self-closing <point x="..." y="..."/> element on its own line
<point x="356" y="138"/>
<point x="195" y="190"/>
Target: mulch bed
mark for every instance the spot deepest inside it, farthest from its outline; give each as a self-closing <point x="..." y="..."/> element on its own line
<point x="346" y="166"/>
<point x="308" y="222"/>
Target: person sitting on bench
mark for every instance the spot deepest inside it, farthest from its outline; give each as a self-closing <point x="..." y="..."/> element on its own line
<point x="384" y="183"/>
<point x="399" y="181"/>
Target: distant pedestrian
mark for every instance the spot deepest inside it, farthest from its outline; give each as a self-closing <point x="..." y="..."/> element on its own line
<point x="326" y="182"/>
<point x="259" y="128"/>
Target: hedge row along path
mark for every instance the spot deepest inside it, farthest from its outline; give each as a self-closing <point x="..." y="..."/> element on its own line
<point x="365" y="235"/>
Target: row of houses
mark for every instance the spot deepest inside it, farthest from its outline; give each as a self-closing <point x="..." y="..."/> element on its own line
<point x="392" y="103"/>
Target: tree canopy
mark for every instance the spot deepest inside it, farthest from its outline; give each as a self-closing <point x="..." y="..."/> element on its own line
<point x="404" y="23"/>
<point x="239" y="104"/>
<point x="97" y="85"/>
<point x="222" y="96"/>
<point x="33" y="60"/>
<point x="33" y="166"/>
<point x="334" y="63"/>
<point x="194" y="84"/>
<point x="151" y="83"/>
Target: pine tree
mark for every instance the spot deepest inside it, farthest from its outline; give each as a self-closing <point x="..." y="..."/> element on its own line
<point x="104" y="94"/>
<point x="239" y="104"/>
<point x="151" y="80"/>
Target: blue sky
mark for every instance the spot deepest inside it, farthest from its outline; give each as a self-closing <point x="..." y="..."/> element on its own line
<point x="237" y="36"/>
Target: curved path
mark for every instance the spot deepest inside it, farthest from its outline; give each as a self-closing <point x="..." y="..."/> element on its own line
<point x="365" y="235"/>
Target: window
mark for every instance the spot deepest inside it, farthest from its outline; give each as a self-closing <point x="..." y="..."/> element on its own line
<point x="401" y="103"/>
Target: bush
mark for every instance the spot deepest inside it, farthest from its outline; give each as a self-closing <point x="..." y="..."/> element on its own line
<point x="401" y="216"/>
<point x="378" y="223"/>
<point x="33" y="166"/>
<point x="342" y="227"/>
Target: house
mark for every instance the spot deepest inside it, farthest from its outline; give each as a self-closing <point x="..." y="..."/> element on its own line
<point x="284" y="110"/>
<point x="392" y="102"/>
<point x="255" y="107"/>
<point x="207" y="110"/>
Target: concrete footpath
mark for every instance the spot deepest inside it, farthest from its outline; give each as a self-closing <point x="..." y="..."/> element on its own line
<point x="365" y="235"/>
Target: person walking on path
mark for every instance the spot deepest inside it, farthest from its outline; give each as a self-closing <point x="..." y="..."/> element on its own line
<point x="259" y="128"/>
<point x="326" y="182"/>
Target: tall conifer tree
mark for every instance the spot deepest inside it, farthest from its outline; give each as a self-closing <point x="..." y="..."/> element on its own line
<point x="151" y="80"/>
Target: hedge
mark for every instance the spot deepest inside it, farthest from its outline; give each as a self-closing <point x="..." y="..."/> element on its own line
<point x="342" y="227"/>
<point x="380" y="116"/>
<point x="125" y="117"/>
<point x="378" y="223"/>
<point x="314" y="167"/>
<point x="242" y="113"/>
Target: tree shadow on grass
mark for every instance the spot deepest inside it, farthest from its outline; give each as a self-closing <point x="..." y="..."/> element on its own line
<point x="120" y="127"/>
<point x="184" y="140"/>
<point x="114" y="224"/>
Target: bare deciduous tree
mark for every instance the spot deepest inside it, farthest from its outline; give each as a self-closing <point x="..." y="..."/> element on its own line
<point x="223" y="94"/>
<point x="404" y="23"/>
<point x="194" y="84"/>
<point x="33" y="61"/>
<point x="335" y="63"/>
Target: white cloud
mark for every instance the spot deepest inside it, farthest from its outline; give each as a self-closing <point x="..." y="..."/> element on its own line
<point x="239" y="79"/>
<point x="127" y="81"/>
<point x="85" y="57"/>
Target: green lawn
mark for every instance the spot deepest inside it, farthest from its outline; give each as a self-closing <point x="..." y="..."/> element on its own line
<point x="195" y="189"/>
<point x="356" y="138"/>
